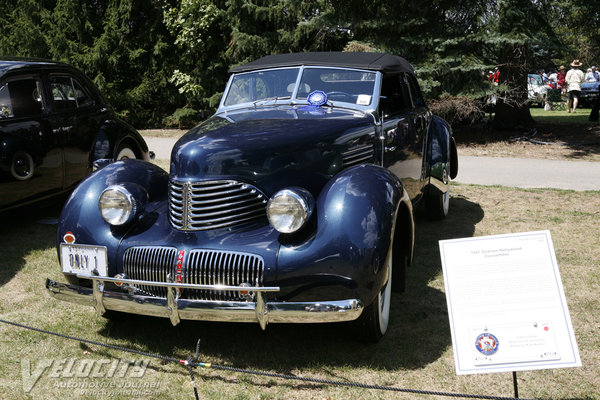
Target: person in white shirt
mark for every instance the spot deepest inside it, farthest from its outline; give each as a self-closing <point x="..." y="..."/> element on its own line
<point x="574" y="79"/>
<point x="589" y="76"/>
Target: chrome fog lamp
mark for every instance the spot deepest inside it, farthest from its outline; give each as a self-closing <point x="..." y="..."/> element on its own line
<point x="119" y="204"/>
<point x="289" y="209"/>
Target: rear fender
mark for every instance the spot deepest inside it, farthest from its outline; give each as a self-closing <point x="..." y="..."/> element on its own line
<point x="113" y="134"/>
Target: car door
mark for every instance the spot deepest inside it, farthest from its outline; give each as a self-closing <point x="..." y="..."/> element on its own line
<point x="402" y="137"/>
<point x="30" y="153"/>
<point x="76" y="117"/>
<point x="420" y="118"/>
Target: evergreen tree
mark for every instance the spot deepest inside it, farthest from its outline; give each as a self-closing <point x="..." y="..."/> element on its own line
<point x="139" y="52"/>
<point x="123" y="46"/>
<point x="525" y="41"/>
<point x="577" y="23"/>
<point x="214" y="35"/>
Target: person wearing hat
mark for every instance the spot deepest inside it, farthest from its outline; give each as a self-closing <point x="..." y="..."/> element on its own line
<point x="574" y="79"/>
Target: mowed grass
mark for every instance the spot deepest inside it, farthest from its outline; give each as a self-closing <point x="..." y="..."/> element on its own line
<point x="416" y="352"/>
<point x="559" y="115"/>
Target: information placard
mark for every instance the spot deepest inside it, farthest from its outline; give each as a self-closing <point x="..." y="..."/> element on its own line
<point x="506" y="304"/>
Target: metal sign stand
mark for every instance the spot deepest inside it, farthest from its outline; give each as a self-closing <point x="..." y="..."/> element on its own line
<point x="515" y="385"/>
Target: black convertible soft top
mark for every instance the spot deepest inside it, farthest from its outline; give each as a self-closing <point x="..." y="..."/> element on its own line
<point x="383" y="62"/>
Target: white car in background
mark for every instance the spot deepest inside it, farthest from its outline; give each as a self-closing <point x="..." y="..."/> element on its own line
<point x="536" y="89"/>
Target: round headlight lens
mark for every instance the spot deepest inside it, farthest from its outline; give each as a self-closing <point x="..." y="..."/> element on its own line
<point x="117" y="205"/>
<point x="289" y="209"/>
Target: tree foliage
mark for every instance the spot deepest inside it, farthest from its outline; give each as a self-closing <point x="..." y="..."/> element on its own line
<point x="123" y="46"/>
<point x="215" y="35"/>
<point x="151" y="57"/>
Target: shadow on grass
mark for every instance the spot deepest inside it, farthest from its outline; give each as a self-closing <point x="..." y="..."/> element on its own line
<point x="418" y="332"/>
<point x="25" y="230"/>
<point x="582" y="139"/>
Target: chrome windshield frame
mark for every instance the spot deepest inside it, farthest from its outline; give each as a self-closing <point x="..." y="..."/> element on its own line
<point x="293" y="100"/>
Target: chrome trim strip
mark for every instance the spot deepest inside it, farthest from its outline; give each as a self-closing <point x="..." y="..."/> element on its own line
<point x="201" y="212"/>
<point x="274" y="312"/>
<point x="231" y="200"/>
<point x="181" y="285"/>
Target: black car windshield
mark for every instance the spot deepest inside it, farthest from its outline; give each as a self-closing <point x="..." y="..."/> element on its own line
<point x="340" y="85"/>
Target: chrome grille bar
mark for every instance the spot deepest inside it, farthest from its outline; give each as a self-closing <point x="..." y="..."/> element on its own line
<point x="358" y="154"/>
<point x="214" y="204"/>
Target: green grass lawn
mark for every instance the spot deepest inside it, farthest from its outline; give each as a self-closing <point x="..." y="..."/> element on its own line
<point x="416" y="352"/>
<point x="558" y="116"/>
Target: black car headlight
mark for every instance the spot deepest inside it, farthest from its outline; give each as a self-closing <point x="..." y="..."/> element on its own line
<point x="289" y="209"/>
<point x="120" y="204"/>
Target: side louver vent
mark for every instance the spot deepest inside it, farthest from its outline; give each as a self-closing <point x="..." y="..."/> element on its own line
<point x="359" y="154"/>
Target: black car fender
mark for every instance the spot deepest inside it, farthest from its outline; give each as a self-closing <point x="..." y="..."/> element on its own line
<point x="356" y="214"/>
<point x="112" y="135"/>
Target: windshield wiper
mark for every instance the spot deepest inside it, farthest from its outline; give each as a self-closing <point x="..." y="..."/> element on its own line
<point x="274" y="98"/>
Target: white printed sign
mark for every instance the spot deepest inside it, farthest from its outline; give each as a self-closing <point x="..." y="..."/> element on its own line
<point x="506" y="304"/>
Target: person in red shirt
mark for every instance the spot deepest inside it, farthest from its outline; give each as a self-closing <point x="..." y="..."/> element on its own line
<point x="560" y="78"/>
<point x="496" y="76"/>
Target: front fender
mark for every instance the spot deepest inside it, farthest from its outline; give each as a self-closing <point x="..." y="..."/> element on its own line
<point x="81" y="216"/>
<point x="111" y="135"/>
<point x="355" y="215"/>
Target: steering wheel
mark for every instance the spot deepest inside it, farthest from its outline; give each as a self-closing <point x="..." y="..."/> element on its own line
<point x="340" y="95"/>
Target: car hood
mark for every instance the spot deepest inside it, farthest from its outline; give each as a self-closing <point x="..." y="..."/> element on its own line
<point x="259" y="143"/>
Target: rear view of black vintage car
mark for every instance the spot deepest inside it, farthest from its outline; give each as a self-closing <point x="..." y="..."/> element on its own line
<point x="293" y="203"/>
<point x="54" y="124"/>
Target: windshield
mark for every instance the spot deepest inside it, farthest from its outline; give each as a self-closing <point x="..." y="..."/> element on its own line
<point x="535" y="80"/>
<point x="347" y="86"/>
<point x="340" y="85"/>
<point x="262" y="85"/>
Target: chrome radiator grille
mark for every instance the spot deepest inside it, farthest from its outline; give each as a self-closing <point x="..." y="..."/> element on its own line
<point x="206" y="267"/>
<point x="359" y="154"/>
<point x="150" y="264"/>
<point x="196" y="206"/>
<point x="202" y="267"/>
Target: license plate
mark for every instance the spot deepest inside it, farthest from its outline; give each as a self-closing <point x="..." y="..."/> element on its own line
<point x="83" y="259"/>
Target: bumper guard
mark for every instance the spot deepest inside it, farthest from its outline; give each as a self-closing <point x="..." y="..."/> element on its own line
<point x="176" y="309"/>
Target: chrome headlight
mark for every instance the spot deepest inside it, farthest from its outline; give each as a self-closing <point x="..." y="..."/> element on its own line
<point x="289" y="209"/>
<point x="119" y="204"/>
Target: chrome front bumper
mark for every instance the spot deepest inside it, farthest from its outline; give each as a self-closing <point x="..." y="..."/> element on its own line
<point x="176" y="309"/>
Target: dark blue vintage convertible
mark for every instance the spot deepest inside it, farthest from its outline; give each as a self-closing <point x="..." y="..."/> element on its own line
<point x="293" y="203"/>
